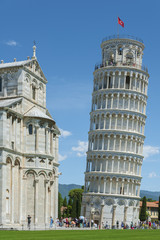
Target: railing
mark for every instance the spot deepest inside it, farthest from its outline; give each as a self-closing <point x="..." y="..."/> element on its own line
<point x="121" y="64"/>
<point x="123" y="36"/>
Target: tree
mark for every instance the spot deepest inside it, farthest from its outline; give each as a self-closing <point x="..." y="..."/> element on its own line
<point x="159" y="209"/>
<point x="75" y="197"/>
<point x="143" y="215"/>
<point x="74" y="213"/>
<point x="65" y="202"/>
<point x="60" y="203"/>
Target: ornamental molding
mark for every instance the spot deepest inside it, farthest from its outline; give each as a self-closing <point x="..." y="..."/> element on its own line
<point x="114" y="153"/>
<point x="116" y="132"/>
<point x="113" y="175"/>
<point x="124" y="92"/>
<point x="117" y="111"/>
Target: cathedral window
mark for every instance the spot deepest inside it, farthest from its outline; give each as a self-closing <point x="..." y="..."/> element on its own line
<point x="30" y="129"/>
<point x="0" y="84"/>
<point x="33" y="92"/>
<point x="12" y="145"/>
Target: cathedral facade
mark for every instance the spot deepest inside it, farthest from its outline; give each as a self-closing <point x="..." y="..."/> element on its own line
<point x="28" y="146"/>
<point x="116" y="135"/>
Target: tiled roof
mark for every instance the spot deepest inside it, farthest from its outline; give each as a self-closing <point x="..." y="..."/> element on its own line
<point x="150" y="204"/>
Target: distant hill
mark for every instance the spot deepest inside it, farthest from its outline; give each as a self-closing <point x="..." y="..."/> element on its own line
<point x="65" y="188"/>
<point x="149" y="194"/>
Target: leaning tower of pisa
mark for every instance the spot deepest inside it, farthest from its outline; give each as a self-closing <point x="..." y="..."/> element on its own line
<point x="116" y="135"/>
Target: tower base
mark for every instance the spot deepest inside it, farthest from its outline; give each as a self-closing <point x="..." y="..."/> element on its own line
<point x="110" y="211"/>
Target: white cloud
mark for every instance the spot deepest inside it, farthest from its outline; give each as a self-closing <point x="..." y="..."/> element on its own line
<point x="62" y="157"/>
<point x="150" y="150"/>
<point x="65" y="133"/>
<point x="81" y="149"/>
<point x="12" y="43"/>
<point x="152" y="175"/>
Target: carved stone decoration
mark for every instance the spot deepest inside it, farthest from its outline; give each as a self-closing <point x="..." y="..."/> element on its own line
<point x="30" y="160"/>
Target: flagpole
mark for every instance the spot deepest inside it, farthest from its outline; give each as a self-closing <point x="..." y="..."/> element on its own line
<point x="117" y="28"/>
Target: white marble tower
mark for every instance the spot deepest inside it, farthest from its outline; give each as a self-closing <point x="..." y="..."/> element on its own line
<point x="28" y="146"/>
<point x="116" y="136"/>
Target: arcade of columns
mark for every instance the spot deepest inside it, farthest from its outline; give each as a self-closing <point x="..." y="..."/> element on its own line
<point x="116" y="136"/>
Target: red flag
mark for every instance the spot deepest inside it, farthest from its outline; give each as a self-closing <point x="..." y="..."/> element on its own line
<point x="120" y="22"/>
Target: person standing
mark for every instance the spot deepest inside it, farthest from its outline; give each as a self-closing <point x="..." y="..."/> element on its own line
<point x="29" y="221"/>
<point x="51" y="222"/>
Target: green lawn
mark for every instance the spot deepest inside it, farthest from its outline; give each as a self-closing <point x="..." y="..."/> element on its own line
<point x="81" y="235"/>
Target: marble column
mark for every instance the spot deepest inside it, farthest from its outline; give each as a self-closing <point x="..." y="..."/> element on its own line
<point x="37" y="138"/>
<point x="46" y="201"/>
<point x="12" y="203"/>
<point x="51" y="142"/>
<point x="101" y="220"/>
<point x="113" y="216"/>
<point x="20" y="194"/>
<point x="110" y="186"/>
<point x="125" y="214"/>
<point x="36" y="201"/>
<point x="104" y="189"/>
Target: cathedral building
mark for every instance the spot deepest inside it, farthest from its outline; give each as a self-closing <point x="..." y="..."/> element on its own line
<point x="116" y="135"/>
<point x="28" y="146"/>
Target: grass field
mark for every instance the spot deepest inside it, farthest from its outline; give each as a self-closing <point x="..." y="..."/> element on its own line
<point x="81" y="235"/>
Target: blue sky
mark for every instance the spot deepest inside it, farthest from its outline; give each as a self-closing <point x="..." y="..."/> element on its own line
<point x="68" y="36"/>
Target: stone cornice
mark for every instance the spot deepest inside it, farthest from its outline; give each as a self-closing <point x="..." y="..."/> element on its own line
<point x="116" y="132"/>
<point x="37" y="168"/>
<point x="115" y="153"/>
<point x="118" y="91"/>
<point x="113" y="175"/>
<point x="111" y="195"/>
<point x="117" y="111"/>
<point x="9" y="110"/>
<point x="22" y="96"/>
<point x="118" y="41"/>
<point x="121" y="68"/>
<point x="40" y="155"/>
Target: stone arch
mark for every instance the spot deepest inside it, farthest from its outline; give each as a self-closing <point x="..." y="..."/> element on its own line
<point x="110" y="201"/>
<point x="42" y="172"/>
<point x="27" y="78"/>
<point x="131" y="203"/>
<point x="97" y="201"/>
<point x="30" y="171"/>
<point x="17" y="161"/>
<point x="9" y="159"/>
<point x="121" y="202"/>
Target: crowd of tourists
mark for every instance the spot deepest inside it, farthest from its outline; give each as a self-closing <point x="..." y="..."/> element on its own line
<point x="84" y="223"/>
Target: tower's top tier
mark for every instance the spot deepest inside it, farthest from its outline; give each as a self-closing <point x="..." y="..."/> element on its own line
<point x="122" y="51"/>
